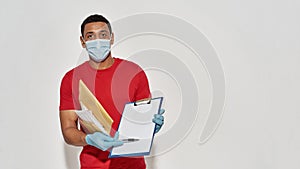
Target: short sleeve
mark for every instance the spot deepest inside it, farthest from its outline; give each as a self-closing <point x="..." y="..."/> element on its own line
<point x="66" y="96"/>
<point x="142" y="87"/>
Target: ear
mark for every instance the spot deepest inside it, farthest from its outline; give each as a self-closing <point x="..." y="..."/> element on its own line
<point x="82" y="42"/>
<point x="112" y="39"/>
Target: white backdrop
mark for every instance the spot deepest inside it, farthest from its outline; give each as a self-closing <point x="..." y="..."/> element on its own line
<point x="258" y="46"/>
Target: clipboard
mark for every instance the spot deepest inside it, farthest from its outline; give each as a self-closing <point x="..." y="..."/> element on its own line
<point x="136" y="124"/>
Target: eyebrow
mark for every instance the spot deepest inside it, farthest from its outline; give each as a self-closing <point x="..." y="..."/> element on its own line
<point x="89" y="33"/>
<point x="94" y="32"/>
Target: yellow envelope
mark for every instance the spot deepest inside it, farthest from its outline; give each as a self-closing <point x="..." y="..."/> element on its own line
<point x="87" y="98"/>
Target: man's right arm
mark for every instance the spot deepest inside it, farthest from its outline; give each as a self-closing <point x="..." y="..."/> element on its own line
<point x="69" y="119"/>
<point x="71" y="133"/>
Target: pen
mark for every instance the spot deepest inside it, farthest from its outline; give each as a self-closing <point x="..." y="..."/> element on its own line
<point x="128" y="140"/>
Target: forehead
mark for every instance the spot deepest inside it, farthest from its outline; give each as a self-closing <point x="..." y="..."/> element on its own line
<point x="95" y="26"/>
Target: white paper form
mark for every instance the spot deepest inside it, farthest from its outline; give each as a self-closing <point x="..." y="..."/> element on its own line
<point x="136" y="123"/>
<point x="87" y="116"/>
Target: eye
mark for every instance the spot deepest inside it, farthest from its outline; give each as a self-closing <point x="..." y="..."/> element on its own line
<point x="89" y="36"/>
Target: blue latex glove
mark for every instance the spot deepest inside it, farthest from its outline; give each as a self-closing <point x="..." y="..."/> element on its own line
<point x="158" y="120"/>
<point x="103" y="141"/>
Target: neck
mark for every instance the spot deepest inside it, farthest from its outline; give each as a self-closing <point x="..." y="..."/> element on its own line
<point x="108" y="62"/>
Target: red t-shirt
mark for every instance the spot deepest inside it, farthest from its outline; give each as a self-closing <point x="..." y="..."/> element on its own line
<point x="115" y="86"/>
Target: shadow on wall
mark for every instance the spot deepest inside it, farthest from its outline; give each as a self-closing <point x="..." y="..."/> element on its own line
<point x="151" y="160"/>
<point x="72" y="156"/>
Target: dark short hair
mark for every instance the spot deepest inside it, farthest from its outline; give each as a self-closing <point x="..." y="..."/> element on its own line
<point x="95" y="18"/>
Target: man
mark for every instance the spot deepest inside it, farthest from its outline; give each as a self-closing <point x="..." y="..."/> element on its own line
<point x="114" y="82"/>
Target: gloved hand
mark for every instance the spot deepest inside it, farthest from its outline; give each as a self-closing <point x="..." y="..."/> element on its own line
<point x="158" y="120"/>
<point x="103" y="141"/>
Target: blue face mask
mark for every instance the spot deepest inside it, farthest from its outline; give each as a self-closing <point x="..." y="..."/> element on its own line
<point x="98" y="49"/>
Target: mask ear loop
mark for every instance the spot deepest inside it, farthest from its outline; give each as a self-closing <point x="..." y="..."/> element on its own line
<point x="110" y="36"/>
<point x="110" y="41"/>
